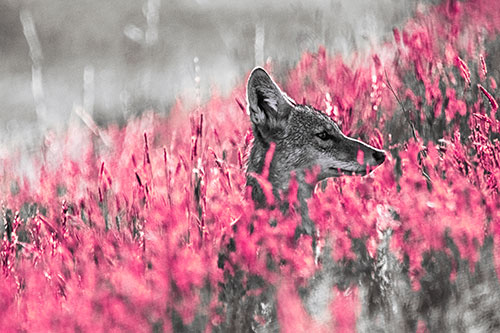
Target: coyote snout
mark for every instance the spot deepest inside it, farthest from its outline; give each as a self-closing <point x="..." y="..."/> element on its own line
<point x="305" y="140"/>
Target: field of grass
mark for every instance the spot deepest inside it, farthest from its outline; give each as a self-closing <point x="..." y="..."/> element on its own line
<point x="148" y="225"/>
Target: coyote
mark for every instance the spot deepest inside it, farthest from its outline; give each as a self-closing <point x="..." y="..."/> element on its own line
<point x="305" y="141"/>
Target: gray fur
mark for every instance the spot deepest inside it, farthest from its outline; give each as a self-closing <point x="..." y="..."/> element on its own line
<point x="294" y="129"/>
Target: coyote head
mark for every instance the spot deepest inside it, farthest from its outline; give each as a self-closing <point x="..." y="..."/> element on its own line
<point x="305" y="138"/>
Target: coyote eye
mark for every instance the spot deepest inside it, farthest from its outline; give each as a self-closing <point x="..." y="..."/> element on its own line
<point x="323" y="136"/>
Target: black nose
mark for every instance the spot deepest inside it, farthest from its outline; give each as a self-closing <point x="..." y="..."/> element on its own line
<point x="379" y="157"/>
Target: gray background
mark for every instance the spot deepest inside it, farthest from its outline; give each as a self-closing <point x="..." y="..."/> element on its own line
<point x="119" y="57"/>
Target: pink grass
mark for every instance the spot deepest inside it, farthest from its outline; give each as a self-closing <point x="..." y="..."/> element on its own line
<point x="152" y="223"/>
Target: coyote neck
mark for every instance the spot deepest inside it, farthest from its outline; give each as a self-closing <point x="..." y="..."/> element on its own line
<point x="280" y="180"/>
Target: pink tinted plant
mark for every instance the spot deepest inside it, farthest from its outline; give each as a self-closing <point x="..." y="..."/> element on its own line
<point x="150" y="226"/>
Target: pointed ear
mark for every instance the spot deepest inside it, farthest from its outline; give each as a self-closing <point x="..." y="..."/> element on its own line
<point x="268" y="106"/>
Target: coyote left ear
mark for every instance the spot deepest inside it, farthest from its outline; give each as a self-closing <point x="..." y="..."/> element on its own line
<point x="268" y="106"/>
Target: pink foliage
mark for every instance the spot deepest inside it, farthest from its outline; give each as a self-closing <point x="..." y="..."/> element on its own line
<point x="129" y="231"/>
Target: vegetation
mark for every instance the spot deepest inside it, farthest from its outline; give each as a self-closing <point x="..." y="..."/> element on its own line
<point x="149" y="226"/>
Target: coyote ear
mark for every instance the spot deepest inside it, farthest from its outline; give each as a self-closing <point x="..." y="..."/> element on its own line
<point x="268" y="106"/>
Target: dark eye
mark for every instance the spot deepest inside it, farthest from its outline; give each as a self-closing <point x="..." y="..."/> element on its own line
<point x="324" y="136"/>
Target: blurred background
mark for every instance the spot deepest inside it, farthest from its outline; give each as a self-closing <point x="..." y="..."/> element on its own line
<point x="116" y="58"/>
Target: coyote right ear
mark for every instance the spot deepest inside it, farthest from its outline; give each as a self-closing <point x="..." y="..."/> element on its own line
<point x="268" y="106"/>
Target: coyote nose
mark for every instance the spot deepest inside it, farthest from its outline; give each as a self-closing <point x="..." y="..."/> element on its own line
<point x="379" y="157"/>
